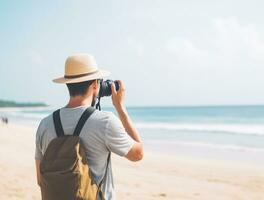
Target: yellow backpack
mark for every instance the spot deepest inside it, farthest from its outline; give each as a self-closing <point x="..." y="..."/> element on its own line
<point x="65" y="173"/>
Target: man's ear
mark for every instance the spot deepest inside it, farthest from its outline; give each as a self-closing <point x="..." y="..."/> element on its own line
<point x="95" y="84"/>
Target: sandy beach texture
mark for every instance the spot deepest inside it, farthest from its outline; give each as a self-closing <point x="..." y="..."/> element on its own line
<point x="156" y="177"/>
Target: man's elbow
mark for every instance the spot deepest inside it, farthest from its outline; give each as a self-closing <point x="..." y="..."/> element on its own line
<point x="138" y="155"/>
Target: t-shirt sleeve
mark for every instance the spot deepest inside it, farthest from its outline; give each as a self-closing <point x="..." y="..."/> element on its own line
<point x="116" y="138"/>
<point x="38" y="152"/>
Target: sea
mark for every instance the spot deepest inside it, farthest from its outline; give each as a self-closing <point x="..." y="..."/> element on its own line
<point x="233" y="133"/>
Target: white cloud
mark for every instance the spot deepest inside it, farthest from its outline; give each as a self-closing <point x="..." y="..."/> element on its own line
<point x="228" y="44"/>
<point x="185" y="51"/>
<point x="236" y="41"/>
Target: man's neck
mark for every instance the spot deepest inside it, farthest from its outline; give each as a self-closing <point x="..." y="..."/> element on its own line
<point x="79" y="101"/>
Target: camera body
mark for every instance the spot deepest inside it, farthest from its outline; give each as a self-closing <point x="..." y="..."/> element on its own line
<point x="105" y="87"/>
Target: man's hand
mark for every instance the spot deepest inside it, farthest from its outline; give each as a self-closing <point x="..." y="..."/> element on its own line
<point x="118" y="97"/>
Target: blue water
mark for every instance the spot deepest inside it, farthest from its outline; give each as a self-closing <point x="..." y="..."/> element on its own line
<point x="219" y="131"/>
<point x="227" y="114"/>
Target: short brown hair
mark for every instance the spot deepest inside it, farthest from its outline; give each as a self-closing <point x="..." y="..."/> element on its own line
<point x="79" y="88"/>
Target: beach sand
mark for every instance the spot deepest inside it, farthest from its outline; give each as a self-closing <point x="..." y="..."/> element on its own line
<point x="155" y="177"/>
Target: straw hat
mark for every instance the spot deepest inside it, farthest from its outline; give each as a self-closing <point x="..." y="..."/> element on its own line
<point x="79" y="68"/>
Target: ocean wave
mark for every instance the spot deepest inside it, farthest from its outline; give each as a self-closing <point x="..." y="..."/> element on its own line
<point x="227" y="147"/>
<point x="26" y="116"/>
<point x="251" y="129"/>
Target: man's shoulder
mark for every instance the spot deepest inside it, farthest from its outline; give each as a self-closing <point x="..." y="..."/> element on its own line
<point x="107" y="119"/>
<point x="102" y="118"/>
<point x="44" y="122"/>
<point x="46" y="119"/>
<point x="103" y="115"/>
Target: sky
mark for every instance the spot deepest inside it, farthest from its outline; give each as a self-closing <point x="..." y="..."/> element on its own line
<point x="167" y="52"/>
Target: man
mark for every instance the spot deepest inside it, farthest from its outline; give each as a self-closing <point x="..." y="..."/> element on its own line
<point x="102" y="132"/>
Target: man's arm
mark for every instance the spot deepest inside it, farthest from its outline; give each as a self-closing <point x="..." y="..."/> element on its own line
<point x="38" y="171"/>
<point x="136" y="152"/>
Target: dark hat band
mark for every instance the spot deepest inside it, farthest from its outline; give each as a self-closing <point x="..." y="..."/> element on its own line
<point x="80" y="75"/>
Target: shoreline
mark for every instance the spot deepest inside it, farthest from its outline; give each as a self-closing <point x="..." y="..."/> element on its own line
<point x="8" y="109"/>
<point x="187" y="152"/>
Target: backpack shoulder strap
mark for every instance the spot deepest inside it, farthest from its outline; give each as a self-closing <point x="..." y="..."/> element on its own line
<point x="57" y="123"/>
<point x="85" y="115"/>
<point x="99" y="191"/>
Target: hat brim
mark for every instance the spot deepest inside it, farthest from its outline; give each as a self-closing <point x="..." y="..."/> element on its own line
<point x="100" y="74"/>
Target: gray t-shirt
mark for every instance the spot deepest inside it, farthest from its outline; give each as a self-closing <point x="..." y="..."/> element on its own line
<point x="103" y="131"/>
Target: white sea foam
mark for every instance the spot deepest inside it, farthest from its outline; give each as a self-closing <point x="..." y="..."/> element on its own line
<point x="23" y="115"/>
<point x="252" y="129"/>
<point x="226" y="147"/>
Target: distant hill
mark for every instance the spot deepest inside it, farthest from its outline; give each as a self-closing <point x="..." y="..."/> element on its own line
<point x="4" y="103"/>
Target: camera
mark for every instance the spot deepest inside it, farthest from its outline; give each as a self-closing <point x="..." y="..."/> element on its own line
<point x="105" y="87"/>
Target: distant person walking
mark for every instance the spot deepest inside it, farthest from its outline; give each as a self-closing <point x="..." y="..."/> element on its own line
<point x="4" y="120"/>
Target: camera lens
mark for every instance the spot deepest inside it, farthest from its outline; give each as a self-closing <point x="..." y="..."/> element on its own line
<point x="105" y="88"/>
